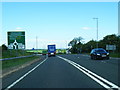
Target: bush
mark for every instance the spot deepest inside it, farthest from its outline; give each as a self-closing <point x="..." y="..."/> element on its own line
<point x="4" y="47"/>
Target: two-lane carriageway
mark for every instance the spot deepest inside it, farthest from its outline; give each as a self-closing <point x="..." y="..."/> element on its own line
<point x="66" y="71"/>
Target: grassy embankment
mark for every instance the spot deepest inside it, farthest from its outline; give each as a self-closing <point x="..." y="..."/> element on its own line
<point x="14" y="53"/>
<point x="117" y="55"/>
<point x="16" y="62"/>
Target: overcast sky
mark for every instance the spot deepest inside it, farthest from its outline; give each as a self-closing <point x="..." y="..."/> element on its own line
<point x="59" y="22"/>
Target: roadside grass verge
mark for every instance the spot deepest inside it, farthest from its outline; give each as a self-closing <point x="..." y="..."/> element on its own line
<point x="14" y="53"/>
<point x="117" y="55"/>
<point x="34" y="51"/>
<point x="61" y="51"/>
<point x="17" y="62"/>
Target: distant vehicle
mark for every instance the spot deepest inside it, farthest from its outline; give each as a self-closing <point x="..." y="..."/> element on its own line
<point x="51" y="50"/>
<point x="99" y="53"/>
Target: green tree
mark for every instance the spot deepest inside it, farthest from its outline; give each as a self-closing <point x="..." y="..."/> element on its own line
<point x="89" y="46"/>
<point x="76" y="45"/>
<point x="110" y="40"/>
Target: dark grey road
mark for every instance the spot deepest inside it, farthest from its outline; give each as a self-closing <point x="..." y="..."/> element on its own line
<point x="57" y="73"/>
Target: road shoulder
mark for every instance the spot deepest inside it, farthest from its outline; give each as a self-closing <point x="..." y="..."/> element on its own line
<point x="8" y="71"/>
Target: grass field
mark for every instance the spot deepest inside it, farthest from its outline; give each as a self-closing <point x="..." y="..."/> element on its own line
<point x="16" y="62"/>
<point x="34" y="51"/>
<point x="60" y="51"/>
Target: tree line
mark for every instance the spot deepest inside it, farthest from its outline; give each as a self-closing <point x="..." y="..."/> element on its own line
<point x="77" y="46"/>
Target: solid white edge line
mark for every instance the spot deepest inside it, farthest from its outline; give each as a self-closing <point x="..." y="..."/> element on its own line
<point x="79" y="67"/>
<point x="25" y="75"/>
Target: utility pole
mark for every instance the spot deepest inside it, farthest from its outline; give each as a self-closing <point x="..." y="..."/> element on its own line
<point x="66" y="44"/>
<point x="97" y="30"/>
<point x="36" y="44"/>
<point x="66" y="47"/>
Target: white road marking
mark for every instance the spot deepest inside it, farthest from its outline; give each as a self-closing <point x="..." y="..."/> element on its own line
<point x="14" y="83"/>
<point x="92" y="75"/>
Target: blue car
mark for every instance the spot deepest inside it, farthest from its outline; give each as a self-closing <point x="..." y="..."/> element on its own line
<point x="99" y="53"/>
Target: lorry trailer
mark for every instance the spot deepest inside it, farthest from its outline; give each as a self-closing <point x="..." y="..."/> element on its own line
<point x="51" y="50"/>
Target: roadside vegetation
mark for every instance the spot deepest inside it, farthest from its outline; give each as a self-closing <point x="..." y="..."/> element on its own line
<point x="17" y="62"/>
<point x="6" y="53"/>
<point x="44" y="51"/>
<point x="77" y="45"/>
<point x="61" y="51"/>
<point x="35" y="51"/>
<point x="115" y="55"/>
<point x="14" y="53"/>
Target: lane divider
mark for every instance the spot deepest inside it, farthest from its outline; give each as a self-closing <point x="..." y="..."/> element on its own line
<point x="18" y="80"/>
<point x="103" y="82"/>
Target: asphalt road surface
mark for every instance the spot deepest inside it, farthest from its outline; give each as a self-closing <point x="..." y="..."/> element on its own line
<point x="66" y="71"/>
